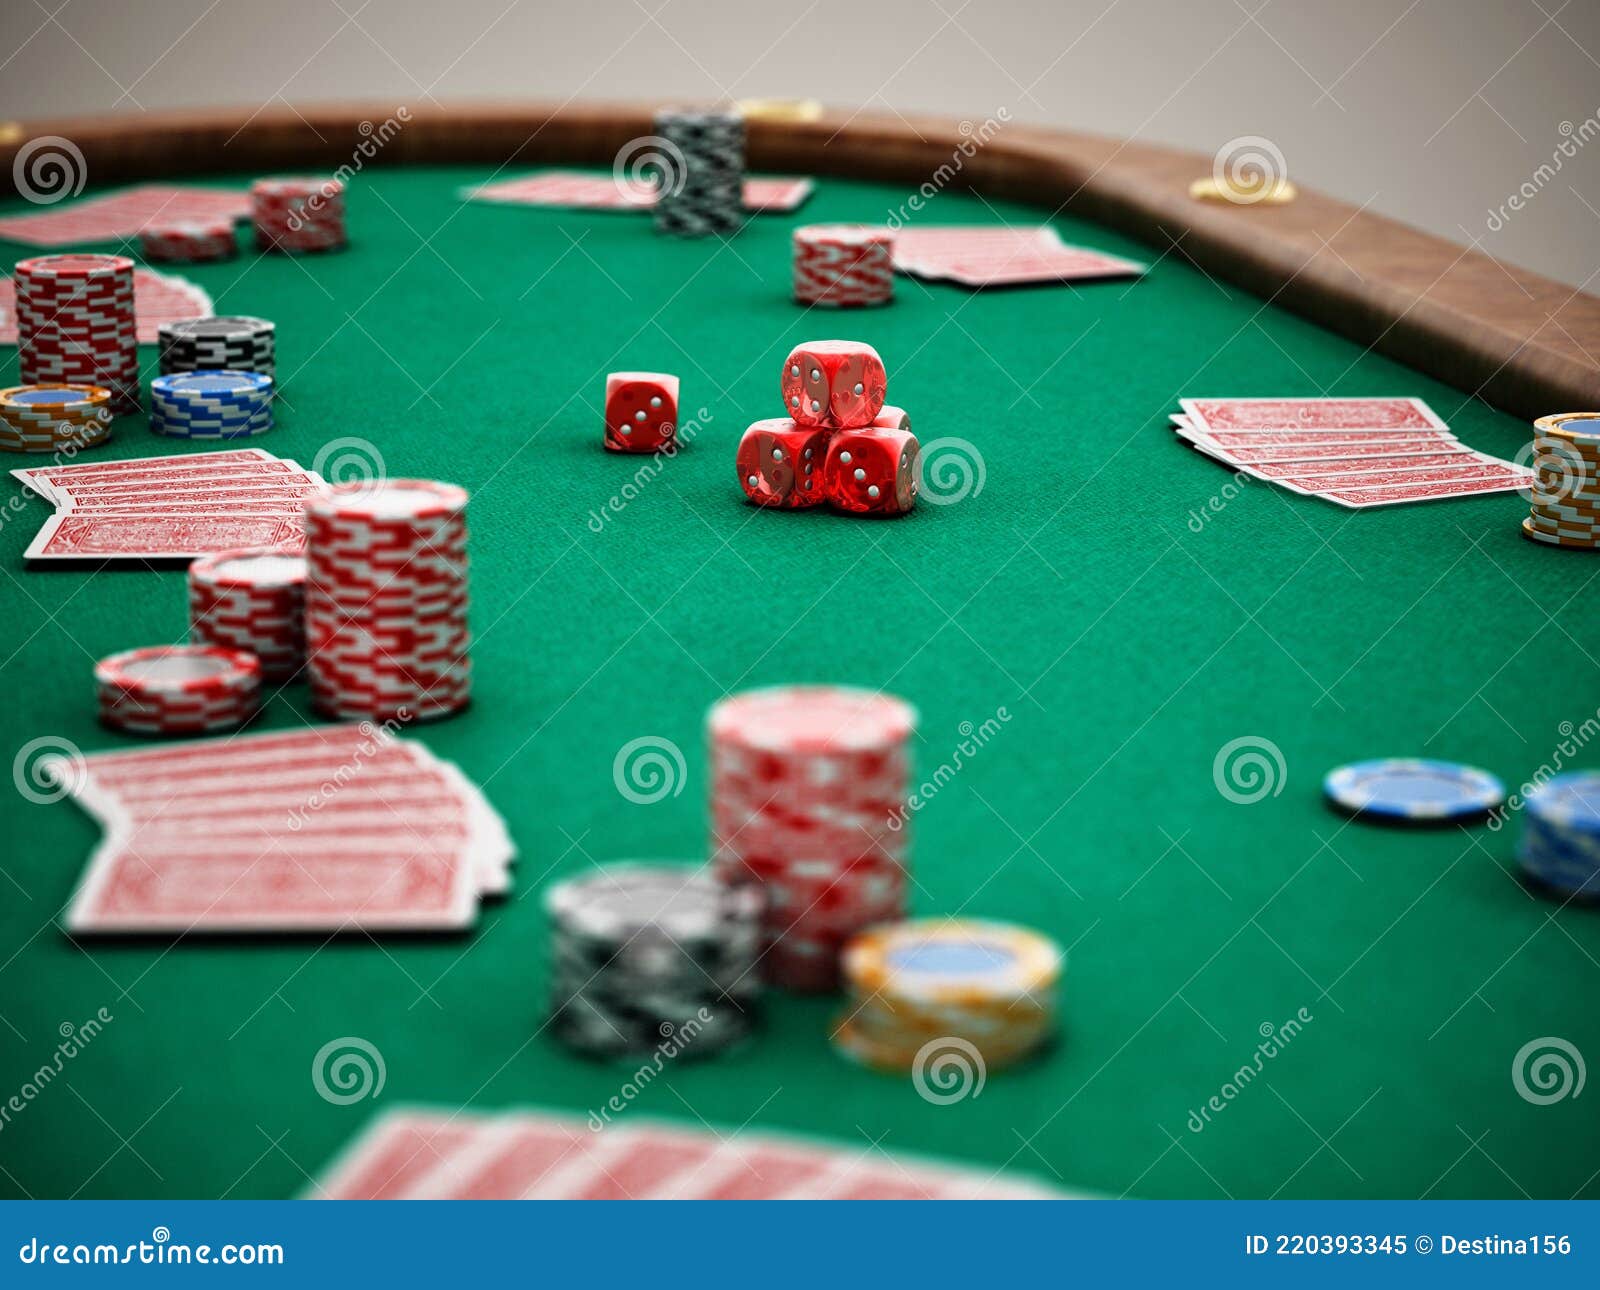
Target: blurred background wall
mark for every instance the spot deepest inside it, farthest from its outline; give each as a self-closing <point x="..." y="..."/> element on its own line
<point x="1433" y="111"/>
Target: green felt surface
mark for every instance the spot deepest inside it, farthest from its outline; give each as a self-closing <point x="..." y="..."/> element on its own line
<point x="470" y="343"/>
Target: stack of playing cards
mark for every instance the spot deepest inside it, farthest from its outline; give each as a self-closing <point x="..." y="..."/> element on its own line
<point x="418" y="1154"/>
<point x="575" y="190"/>
<point x="997" y="255"/>
<point x="327" y="829"/>
<point x="121" y="216"/>
<point x="1355" y="452"/>
<point x="157" y="298"/>
<point x="162" y="508"/>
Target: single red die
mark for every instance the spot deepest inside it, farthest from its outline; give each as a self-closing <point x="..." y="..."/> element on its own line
<point x="641" y="411"/>
<point x="838" y="384"/>
<point x="891" y="418"/>
<point x="780" y="463"/>
<point x="872" y="471"/>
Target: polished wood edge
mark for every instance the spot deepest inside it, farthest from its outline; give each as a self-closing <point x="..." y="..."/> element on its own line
<point x="1517" y="340"/>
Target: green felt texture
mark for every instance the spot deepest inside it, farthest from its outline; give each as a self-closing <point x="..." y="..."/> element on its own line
<point x="471" y="342"/>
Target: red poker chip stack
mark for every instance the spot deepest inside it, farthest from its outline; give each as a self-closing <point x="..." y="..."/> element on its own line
<point x="178" y="689"/>
<point x="188" y="241"/>
<point x="252" y="599"/>
<point x="75" y="324"/>
<point x="386" y="600"/>
<point x="298" y="214"/>
<point x="843" y="265"/>
<point x="809" y="787"/>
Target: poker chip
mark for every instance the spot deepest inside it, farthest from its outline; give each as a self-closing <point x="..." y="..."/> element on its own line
<point x="704" y="194"/>
<point x="917" y="990"/>
<point x="843" y="265"/>
<point x="54" y="418"/>
<point x="809" y="785"/>
<point x="233" y="343"/>
<point x="211" y="404"/>
<point x="298" y="214"/>
<point x="386" y="600"/>
<point x="75" y="325"/>
<point x="1413" y="789"/>
<point x="189" y="241"/>
<point x="178" y="689"/>
<point x="1564" y="501"/>
<point x="646" y="955"/>
<point x="784" y="111"/>
<point x="1560" y="848"/>
<point x="252" y="599"/>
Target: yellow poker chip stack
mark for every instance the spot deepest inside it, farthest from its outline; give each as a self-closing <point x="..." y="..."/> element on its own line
<point x="54" y="418"/>
<point x="783" y="111"/>
<point x="928" y="986"/>
<point x="1264" y="192"/>
<point x="1564" y="501"/>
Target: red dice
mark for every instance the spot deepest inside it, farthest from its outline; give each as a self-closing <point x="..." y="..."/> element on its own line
<point x="889" y="418"/>
<point x="780" y="463"/>
<point x="837" y="384"/>
<point x="641" y="411"/>
<point x="872" y="471"/>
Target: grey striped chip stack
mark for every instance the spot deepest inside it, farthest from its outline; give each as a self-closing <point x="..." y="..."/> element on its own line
<point x="75" y="324"/>
<point x="843" y="265"/>
<point x="252" y="599"/>
<point x="238" y="343"/>
<point x="704" y="195"/>
<point x="386" y="600"/>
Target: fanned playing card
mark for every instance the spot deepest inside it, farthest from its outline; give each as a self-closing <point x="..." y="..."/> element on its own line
<point x="123" y="215"/>
<point x="577" y="190"/>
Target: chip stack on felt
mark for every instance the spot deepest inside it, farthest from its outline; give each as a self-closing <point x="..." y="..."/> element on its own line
<point x="386" y="600"/>
<point x="702" y="179"/>
<point x="252" y="599"/>
<point x="1564" y="499"/>
<point x="188" y="241"/>
<point x="1560" y="849"/>
<point x="843" y="265"/>
<point x="296" y="214"/>
<point x="75" y="324"/>
<point x="241" y="344"/>
<point x="809" y="786"/>
<point x="840" y="444"/>
<point x="54" y="418"/>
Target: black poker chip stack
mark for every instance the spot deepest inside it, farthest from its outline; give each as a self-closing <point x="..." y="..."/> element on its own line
<point x="652" y="960"/>
<point x="207" y="344"/>
<point x="703" y="196"/>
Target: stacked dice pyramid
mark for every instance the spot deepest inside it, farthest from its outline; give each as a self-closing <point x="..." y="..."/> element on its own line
<point x="840" y="443"/>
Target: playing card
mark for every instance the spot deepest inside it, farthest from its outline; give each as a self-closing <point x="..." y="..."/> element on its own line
<point x="44" y="477"/>
<point x="1388" y="413"/>
<point x="401" y="1146"/>
<point x="576" y="190"/>
<point x="120" y="535"/>
<point x="1315" y="449"/>
<point x="123" y="215"/>
<point x="173" y="484"/>
<point x="1361" y="497"/>
<point x="643" y="1162"/>
<point x="157" y="298"/>
<point x="509" y="1157"/>
<point x="986" y="255"/>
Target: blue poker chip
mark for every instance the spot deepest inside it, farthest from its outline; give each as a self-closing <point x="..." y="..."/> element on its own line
<point x="222" y="383"/>
<point x="1413" y="790"/>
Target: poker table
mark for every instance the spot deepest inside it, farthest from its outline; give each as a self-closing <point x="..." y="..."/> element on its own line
<point x="1118" y="609"/>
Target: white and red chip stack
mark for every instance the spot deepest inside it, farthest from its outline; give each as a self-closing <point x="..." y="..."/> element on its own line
<point x="386" y="600"/>
<point x="808" y="799"/>
<point x="188" y="241"/>
<point x="843" y="265"/>
<point x="75" y="324"/>
<point x="296" y="214"/>
<point x="178" y="689"/>
<point x="252" y="599"/>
